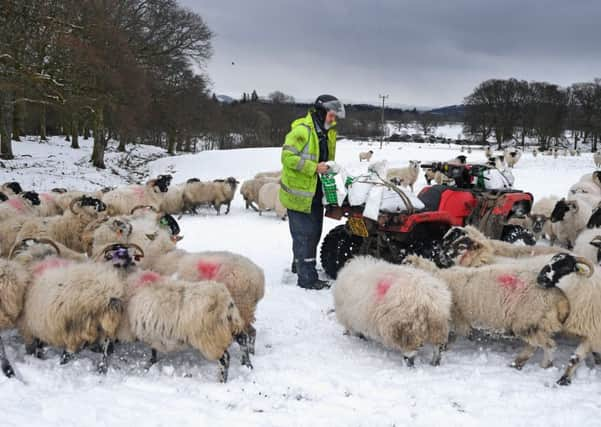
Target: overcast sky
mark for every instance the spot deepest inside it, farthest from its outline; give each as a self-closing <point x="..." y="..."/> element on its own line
<point x="420" y="52"/>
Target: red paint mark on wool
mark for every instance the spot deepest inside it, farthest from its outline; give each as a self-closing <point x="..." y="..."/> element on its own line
<point x="46" y="197"/>
<point x="147" y="278"/>
<point x="207" y="269"/>
<point x="16" y="204"/>
<point x="139" y="192"/>
<point x="382" y="287"/>
<point x="510" y="282"/>
<point x="49" y="264"/>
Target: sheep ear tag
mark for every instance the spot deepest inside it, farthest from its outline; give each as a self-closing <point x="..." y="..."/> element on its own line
<point x="582" y="269"/>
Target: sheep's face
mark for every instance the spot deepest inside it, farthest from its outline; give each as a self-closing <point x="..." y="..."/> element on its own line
<point x="32" y="196"/>
<point x="596" y="242"/>
<point x="191" y="180"/>
<point x="597" y="178"/>
<point x="170" y="222"/>
<point x="538" y="222"/>
<point x="452" y="235"/>
<point x="162" y="183"/>
<point x="91" y="202"/>
<point x="119" y="256"/>
<point x="462" y="159"/>
<point x="14" y="186"/>
<point x="120" y="227"/>
<point x="231" y="181"/>
<point x="561" y="208"/>
<point x="595" y="219"/>
<point x="3" y="197"/>
<point x="414" y="164"/>
<point x="562" y="265"/>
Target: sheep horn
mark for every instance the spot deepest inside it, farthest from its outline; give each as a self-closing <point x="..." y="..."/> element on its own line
<point x="36" y="240"/>
<point x="135" y="208"/>
<point x="590" y="266"/>
<point x="73" y="203"/>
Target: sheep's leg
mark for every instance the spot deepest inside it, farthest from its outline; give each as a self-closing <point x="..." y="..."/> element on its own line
<point x="107" y="349"/>
<point x="242" y="340"/>
<point x="218" y="208"/>
<point x="66" y="357"/>
<point x="224" y="366"/>
<point x="153" y="359"/>
<point x="409" y="358"/>
<point x="548" y="353"/>
<point x="253" y="207"/>
<point x="582" y="350"/>
<point x="5" y="365"/>
<point x="35" y="348"/>
<point x="437" y="355"/>
<point x="523" y="357"/>
<point x="227" y="210"/>
<point x="252" y="337"/>
<point x="597" y="358"/>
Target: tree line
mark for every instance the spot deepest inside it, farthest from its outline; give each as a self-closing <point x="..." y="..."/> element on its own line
<point x="512" y="110"/>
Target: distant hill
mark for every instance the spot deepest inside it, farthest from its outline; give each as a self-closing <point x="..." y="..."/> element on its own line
<point x="225" y="99"/>
<point x="454" y="110"/>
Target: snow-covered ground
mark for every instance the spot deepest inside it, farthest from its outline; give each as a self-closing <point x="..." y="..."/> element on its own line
<point x="306" y="372"/>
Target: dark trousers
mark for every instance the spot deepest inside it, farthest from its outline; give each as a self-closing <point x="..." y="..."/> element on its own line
<point x="305" y="229"/>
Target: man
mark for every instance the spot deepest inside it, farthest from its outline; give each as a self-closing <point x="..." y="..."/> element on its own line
<point x="308" y="146"/>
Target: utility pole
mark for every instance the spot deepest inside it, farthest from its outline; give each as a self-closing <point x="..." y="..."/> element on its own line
<point x="383" y="97"/>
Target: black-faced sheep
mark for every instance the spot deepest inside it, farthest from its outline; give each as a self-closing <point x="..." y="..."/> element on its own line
<point x="512" y="156"/>
<point x="217" y="193"/>
<point x="398" y="306"/>
<point x="11" y="188"/>
<point x="23" y="204"/>
<point x="568" y="219"/>
<point x="122" y="200"/>
<point x="540" y="217"/>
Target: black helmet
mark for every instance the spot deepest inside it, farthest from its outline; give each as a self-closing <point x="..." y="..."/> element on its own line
<point x="325" y="103"/>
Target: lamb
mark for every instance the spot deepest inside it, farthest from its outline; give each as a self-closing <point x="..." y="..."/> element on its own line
<point x="540" y="216"/>
<point x="244" y="279"/>
<point x="365" y="155"/>
<point x="397" y="306"/>
<point x="66" y="229"/>
<point x="468" y="247"/>
<point x="250" y="190"/>
<point x="216" y="193"/>
<point x="568" y="219"/>
<point x="12" y="188"/>
<point x="582" y="286"/>
<point x="121" y="200"/>
<point x="407" y="176"/>
<point x="269" y="200"/>
<point x="272" y="174"/>
<point x="597" y="158"/>
<point x="23" y="204"/>
<point x="505" y="298"/>
<point x="69" y="304"/>
<point x="512" y="156"/>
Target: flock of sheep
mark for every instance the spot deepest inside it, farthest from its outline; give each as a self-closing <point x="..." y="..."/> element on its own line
<point x="84" y="270"/>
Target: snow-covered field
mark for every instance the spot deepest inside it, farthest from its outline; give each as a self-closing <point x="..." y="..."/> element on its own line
<point x="306" y="372"/>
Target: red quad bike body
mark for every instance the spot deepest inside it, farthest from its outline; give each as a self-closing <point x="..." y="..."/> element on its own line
<point x="496" y="213"/>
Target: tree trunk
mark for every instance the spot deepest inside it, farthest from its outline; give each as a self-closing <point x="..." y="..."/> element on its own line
<point x="19" y="118"/>
<point x="86" y="132"/>
<point x="6" y="150"/>
<point x="171" y="142"/>
<point x="74" y="132"/>
<point x="99" y="140"/>
<point x="43" y="136"/>
<point x="122" y="143"/>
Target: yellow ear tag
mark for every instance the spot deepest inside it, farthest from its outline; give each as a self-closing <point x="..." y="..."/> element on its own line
<point x="581" y="268"/>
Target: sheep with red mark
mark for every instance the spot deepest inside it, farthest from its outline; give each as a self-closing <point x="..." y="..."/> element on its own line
<point x="122" y="200"/>
<point x="503" y="298"/>
<point x="11" y="188"/>
<point x="398" y="306"/>
<point x="244" y="279"/>
<point x="23" y="204"/>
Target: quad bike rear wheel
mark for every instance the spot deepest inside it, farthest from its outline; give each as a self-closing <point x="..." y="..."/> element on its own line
<point x="337" y="248"/>
<point x="517" y="234"/>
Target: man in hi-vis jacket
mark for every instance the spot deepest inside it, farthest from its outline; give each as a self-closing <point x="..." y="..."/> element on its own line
<point x="309" y="145"/>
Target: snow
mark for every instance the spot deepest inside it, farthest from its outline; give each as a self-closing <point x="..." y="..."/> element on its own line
<point x="306" y="371"/>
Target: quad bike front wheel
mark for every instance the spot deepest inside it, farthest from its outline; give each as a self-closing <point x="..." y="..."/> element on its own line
<point x="337" y="248"/>
<point x="517" y="234"/>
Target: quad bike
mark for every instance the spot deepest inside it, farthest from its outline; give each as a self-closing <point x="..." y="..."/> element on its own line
<point x="395" y="235"/>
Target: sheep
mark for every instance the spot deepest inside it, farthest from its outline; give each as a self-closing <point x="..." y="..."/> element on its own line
<point x="488" y="152"/>
<point x="461" y="159"/>
<point x="64" y="198"/>
<point x="48" y="205"/>
<point x="68" y="228"/>
<point x="398" y="306"/>
<point x="12" y="188"/>
<point x="505" y="298"/>
<point x="407" y="176"/>
<point x="594" y="179"/>
<point x="468" y="247"/>
<point x="597" y="158"/>
<point x="588" y="242"/>
<point x="585" y="190"/>
<point x="216" y="193"/>
<point x="555" y="153"/>
<point x="244" y="279"/>
<point x="534" y="152"/>
<point x="469" y="149"/>
<point x="170" y="315"/>
<point x="572" y="152"/>
<point x="3" y="197"/>
<point x="583" y="290"/>
<point x="568" y="219"/>
<point x="540" y="215"/>
<point x="497" y="161"/>
<point x="272" y="174"/>
<point x="23" y="204"/>
<point x="269" y="200"/>
<point x="366" y="155"/>
<point x="512" y="156"/>
<point x="71" y="304"/>
<point x="250" y="190"/>
<point x="121" y="200"/>
<point x="578" y="152"/>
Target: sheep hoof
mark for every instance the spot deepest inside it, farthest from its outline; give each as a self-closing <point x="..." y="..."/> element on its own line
<point x="410" y="361"/>
<point x="7" y="369"/>
<point x="517" y="364"/>
<point x="564" y="380"/>
<point x="66" y="357"/>
<point x="102" y="368"/>
<point x="546" y="365"/>
<point x="224" y="366"/>
<point x="597" y="358"/>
